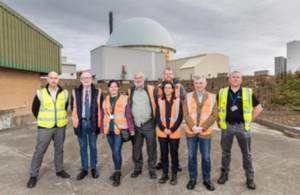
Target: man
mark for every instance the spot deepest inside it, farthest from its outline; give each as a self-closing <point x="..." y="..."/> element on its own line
<point x="199" y="112"/>
<point x="179" y="93"/>
<point x="143" y="107"/>
<point x="238" y="107"/>
<point x="86" y="103"/>
<point x="50" y="108"/>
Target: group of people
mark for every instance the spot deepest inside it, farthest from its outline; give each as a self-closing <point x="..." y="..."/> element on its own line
<point x="147" y="112"/>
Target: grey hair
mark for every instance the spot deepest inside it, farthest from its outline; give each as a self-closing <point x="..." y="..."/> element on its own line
<point x="235" y="72"/>
<point x="140" y="73"/>
<point x="199" y="77"/>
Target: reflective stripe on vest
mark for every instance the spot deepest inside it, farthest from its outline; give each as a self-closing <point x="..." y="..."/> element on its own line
<point x="51" y="113"/>
<point x="119" y="114"/>
<point x="247" y="106"/>
<point x="173" y="118"/>
<point x="206" y="111"/>
<point x="75" y="119"/>
<point x="177" y="91"/>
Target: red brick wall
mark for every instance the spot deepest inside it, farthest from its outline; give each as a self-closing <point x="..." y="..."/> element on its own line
<point x="18" y="86"/>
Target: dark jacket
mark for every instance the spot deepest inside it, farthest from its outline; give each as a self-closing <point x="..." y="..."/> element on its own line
<point x="36" y="103"/>
<point x="93" y="109"/>
<point x="132" y="89"/>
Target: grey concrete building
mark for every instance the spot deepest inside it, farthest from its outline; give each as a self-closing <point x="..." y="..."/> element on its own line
<point x="111" y="62"/>
<point x="280" y="65"/>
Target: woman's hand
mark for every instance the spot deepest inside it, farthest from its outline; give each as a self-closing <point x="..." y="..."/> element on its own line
<point x="102" y="135"/>
<point x="132" y="133"/>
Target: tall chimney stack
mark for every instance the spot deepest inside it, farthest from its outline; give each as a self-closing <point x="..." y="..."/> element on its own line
<point x="110" y="22"/>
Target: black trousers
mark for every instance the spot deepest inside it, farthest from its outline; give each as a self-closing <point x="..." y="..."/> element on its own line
<point x="164" y="148"/>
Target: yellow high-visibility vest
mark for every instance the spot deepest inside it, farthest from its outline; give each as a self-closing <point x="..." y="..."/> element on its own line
<point x="247" y="106"/>
<point x="50" y="114"/>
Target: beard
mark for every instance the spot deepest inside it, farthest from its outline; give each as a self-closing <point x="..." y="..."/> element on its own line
<point x="139" y="84"/>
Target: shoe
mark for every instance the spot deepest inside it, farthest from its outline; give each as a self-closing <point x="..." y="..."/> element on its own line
<point x="174" y="179"/>
<point x="179" y="168"/>
<point x="32" y="182"/>
<point x="223" y="178"/>
<point x="164" y="178"/>
<point x="82" y="174"/>
<point x="159" y="166"/>
<point x="209" y="185"/>
<point x="95" y="174"/>
<point x="191" y="184"/>
<point x="117" y="180"/>
<point x="112" y="177"/>
<point x="152" y="174"/>
<point x="63" y="174"/>
<point x="136" y="173"/>
<point x="251" y="184"/>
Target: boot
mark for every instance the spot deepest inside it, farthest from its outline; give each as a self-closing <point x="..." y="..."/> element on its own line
<point x="174" y="179"/>
<point x="117" y="180"/>
<point x="164" y="178"/>
<point x="223" y="178"/>
<point x="112" y="177"/>
<point x="250" y="184"/>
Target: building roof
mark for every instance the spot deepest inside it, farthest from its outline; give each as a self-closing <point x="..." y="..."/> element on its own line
<point x="191" y="63"/>
<point x="2" y="4"/>
<point x="140" y="31"/>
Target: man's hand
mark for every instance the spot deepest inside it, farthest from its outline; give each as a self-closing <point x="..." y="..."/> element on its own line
<point x="197" y="130"/>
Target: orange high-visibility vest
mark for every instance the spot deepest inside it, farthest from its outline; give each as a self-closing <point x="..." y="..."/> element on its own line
<point x="119" y="114"/>
<point x="150" y="92"/>
<point x="75" y="119"/>
<point x="177" y="91"/>
<point x="173" y="118"/>
<point x="206" y="111"/>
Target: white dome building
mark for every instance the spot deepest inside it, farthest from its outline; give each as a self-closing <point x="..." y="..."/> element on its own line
<point x="144" y="34"/>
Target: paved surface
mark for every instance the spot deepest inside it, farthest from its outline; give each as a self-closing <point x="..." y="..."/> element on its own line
<point x="276" y="160"/>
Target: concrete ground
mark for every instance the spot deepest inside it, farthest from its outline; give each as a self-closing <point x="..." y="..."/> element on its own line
<point x="276" y="161"/>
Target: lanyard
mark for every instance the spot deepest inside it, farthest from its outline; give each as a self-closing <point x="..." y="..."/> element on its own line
<point x="234" y="100"/>
<point x="87" y="97"/>
<point x="113" y="104"/>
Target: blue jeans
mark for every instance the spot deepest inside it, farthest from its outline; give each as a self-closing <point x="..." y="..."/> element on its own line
<point x="115" y="143"/>
<point x="87" y="133"/>
<point x="204" y="145"/>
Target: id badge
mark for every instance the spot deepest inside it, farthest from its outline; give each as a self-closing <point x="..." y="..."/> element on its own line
<point x="111" y="116"/>
<point x="234" y="108"/>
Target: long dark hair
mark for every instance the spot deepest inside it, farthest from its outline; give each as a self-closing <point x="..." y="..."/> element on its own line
<point x="163" y="90"/>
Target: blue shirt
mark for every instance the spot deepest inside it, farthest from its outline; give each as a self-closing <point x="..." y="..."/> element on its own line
<point x="200" y="96"/>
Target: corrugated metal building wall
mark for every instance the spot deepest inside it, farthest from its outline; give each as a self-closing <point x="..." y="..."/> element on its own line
<point x="25" y="46"/>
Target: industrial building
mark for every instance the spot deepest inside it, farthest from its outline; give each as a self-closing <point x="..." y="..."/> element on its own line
<point x="68" y="70"/>
<point x="25" y="52"/>
<point x="293" y="56"/>
<point x="145" y="34"/>
<point x="122" y="63"/>
<point x="262" y="73"/>
<point x="209" y="65"/>
<point x="280" y="65"/>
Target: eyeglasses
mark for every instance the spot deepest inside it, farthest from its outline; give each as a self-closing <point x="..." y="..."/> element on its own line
<point x="168" y="88"/>
<point x="85" y="78"/>
<point x="169" y="74"/>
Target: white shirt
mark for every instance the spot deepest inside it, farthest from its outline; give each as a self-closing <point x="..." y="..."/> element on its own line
<point x="53" y="94"/>
<point x="83" y="100"/>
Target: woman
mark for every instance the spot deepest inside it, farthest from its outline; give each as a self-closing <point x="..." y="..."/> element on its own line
<point x="116" y="115"/>
<point x="169" y="117"/>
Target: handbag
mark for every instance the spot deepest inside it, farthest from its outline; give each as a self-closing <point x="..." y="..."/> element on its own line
<point x="125" y="134"/>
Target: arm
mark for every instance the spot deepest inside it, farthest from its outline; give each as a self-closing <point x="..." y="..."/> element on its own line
<point x="35" y="106"/>
<point x="155" y="94"/>
<point x="189" y="122"/>
<point x="157" y="117"/>
<point x="179" y="119"/>
<point x="211" y="119"/>
<point x="256" y="112"/>
<point x="72" y="100"/>
<point x="182" y="93"/>
<point x="67" y="104"/>
<point x="129" y="118"/>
